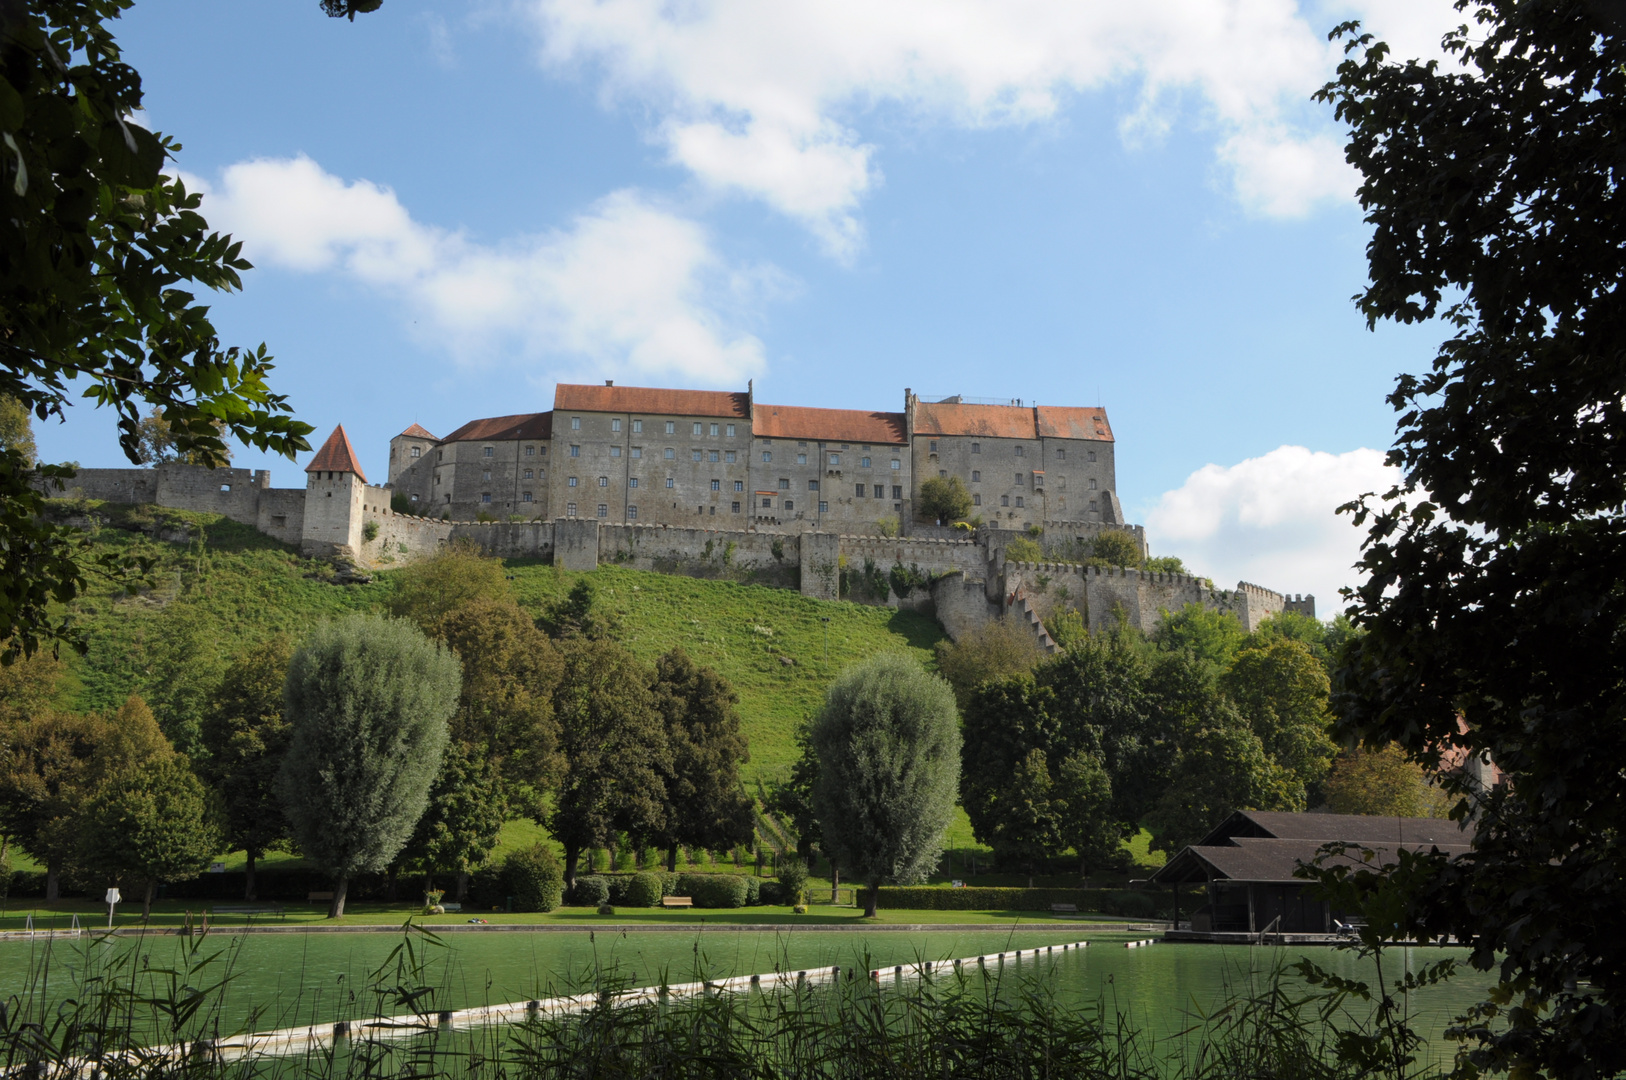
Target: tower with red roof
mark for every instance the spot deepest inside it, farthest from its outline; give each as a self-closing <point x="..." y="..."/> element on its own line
<point x="335" y="490"/>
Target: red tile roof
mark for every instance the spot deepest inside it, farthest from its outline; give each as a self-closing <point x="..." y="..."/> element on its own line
<point x="502" y="428"/>
<point x="337" y="455"/>
<point x="831" y="425"/>
<point x="648" y="400"/>
<point x="990" y="421"/>
<point x="1064" y="422"/>
<point x="418" y="432"/>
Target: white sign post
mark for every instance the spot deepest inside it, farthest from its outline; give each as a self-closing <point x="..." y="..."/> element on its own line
<point x="113" y="897"/>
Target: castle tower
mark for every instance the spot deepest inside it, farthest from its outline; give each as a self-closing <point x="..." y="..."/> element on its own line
<point x="334" y="486"/>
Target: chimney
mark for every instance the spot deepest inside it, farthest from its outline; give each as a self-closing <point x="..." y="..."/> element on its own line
<point x="609" y="382"/>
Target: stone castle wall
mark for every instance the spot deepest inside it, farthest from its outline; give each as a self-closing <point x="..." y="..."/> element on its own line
<point x="1101" y="594"/>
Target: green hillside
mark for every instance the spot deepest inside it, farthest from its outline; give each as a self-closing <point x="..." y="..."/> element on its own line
<point x="226" y="586"/>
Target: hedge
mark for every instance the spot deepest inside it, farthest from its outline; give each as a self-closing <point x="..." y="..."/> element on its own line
<point x="1126" y="902"/>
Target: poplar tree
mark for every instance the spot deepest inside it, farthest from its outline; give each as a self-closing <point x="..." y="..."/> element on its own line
<point x="368" y="700"/>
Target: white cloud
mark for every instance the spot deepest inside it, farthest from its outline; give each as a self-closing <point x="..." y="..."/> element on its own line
<point x="1270" y="520"/>
<point x="763" y="97"/>
<point x="627" y="287"/>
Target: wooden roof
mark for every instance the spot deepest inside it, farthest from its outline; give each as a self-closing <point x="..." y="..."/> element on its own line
<point x="417" y="431"/>
<point x="1011" y="421"/>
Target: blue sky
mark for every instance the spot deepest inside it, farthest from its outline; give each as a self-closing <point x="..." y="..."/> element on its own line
<point x="452" y="206"/>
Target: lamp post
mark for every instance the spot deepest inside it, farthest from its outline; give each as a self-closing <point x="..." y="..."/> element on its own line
<point x="113" y="897"/>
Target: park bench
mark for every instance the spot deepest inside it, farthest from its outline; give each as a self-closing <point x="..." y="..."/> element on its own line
<point x="249" y="909"/>
<point x="677" y="901"/>
<point x="449" y="908"/>
<point x="1064" y="909"/>
<point x="319" y="897"/>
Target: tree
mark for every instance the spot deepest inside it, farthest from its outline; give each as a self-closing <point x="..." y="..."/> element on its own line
<point x="455" y="577"/>
<point x="155" y="821"/>
<point x="1382" y="782"/>
<point x="29" y="686"/>
<point x="98" y="248"/>
<point x="1282" y="691"/>
<point x="942" y="500"/>
<point x="1083" y="789"/>
<point x="156" y="443"/>
<point x="1114" y="547"/>
<point x="573" y="616"/>
<point x="993" y="650"/>
<point x="614" y="749"/>
<point x="1212" y="636"/>
<point x="706" y="805"/>
<point x="466" y="812"/>
<point x="17" y="429"/>
<point x="1027" y="820"/>
<point x="245" y="738"/>
<point x="792" y="798"/>
<point x="1219" y="770"/>
<point x="368" y="700"/>
<point x="888" y="743"/>
<point x="1492" y="593"/>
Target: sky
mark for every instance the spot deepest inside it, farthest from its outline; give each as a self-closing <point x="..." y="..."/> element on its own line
<point x="451" y="207"/>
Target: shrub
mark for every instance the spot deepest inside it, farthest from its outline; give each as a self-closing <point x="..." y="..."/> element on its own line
<point x="1126" y="902"/>
<point x="606" y="909"/>
<point x="792" y="880"/>
<point x="533" y="877"/>
<point x="753" y="891"/>
<point x="590" y="891"/>
<point x="642" y="890"/>
<point x="713" y="890"/>
<point x="369" y="531"/>
<point x="1022" y="549"/>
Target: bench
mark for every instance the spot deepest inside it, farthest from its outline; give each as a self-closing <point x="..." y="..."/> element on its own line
<point x="249" y="909"/>
<point x="677" y="901"/>
<point x="1064" y="909"/>
<point x="319" y="897"/>
<point x="449" y="908"/>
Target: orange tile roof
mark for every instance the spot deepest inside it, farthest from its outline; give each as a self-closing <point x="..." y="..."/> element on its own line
<point x="831" y="425"/>
<point x="1067" y="422"/>
<point x="337" y="455"/>
<point x="500" y="428"/>
<point x="649" y="400"/>
<point x="990" y="421"/>
<point x="418" y="432"/>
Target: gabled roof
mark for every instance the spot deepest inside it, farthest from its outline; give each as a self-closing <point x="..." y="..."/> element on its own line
<point x="500" y="428"/>
<point x="337" y="455"/>
<point x="1324" y="828"/>
<point x="989" y="421"/>
<point x="1259" y="860"/>
<point x="1068" y="422"/>
<point x="651" y="401"/>
<point x="831" y="425"/>
<point x="418" y="432"/>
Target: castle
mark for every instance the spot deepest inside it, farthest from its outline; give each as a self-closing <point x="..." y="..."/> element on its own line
<point x="706" y="482"/>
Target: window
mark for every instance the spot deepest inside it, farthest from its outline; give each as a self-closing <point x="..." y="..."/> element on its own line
<point x="632" y="482"/>
<point x="527" y="474"/>
<point x="801" y="459"/>
<point x="767" y="503"/>
<point x="437" y="479"/>
<point x="734" y="507"/>
<point x="976" y="448"/>
<point x="1004" y="500"/>
<point x="575" y="451"/>
<point x="615" y="424"/>
<point x="1018" y="479"/>
<point x="1019" y="500"/>
<point x="487" y="452"/>
<point x="637" y="427"/>
<point x="603" y="510"/>
<point x="1092" y="506"/>
<point x="976" y="476"/>
<point x="526" y="497"/>
<point x="485" y="496"/>
<point x="942" y="474"/>
<point x="976" y="500"/>
<point x="835" y="459"/>
<point x="570" y="509"/>
<point x="789" y="506"/>
<point x="1061" y="453"/>
<point x="812" y="485"/>
<point x="731" y="431"/>
<point x="767" y="455"/>
<point x="730" y="456"/>
<point x="543" y="451"/>
<point x="414" y="499"/>
<point x="716" y="485"/>
<point x="668" y="481"/>
<point x="486" y="475"/>
<point x="714" y="431"/>
<point x="571" y="482"/>
<point x="632" y="513"/>
<point x="864" y="463"/>
<point x="784" y="484"/>
<point x="637" y="452"/>
<point x="1092" y="485"/>
<point x="604" y="481"/>
<point x="858" y="491"/>
<point x="897" y="491"/>
<point x="695" y="454"/>
<point x="416" y="450"/>
<point x="1092" y="455"/>
<point x="711" y="455"/>
<point x="739" y="485"/>
<point x="932" y="446"/>
<point x="671" y="454"/>
<point x="530" y="451"/>
<point x="896" y="464"/>
<point x="696" y="426"/>
<point x="615" y="451"/>
<point x="880" y="491"/>
<point x="824" y="507"/>
<point x="1021" y="451"/>
<point x="671" y="428"/>
<point x="225" y="487"/>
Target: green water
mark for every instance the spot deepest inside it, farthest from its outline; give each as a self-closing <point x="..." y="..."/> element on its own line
<point x="313" y="977"/>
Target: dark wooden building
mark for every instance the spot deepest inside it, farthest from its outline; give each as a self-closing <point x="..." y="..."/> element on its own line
<point x="1247" y="864"/>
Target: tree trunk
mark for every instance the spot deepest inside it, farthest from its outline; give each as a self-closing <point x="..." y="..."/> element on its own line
<point x="462" y="886"/>
<point x="671" y="858"/>
<point x="146" y="899"/>
<point x="341" y="887"/>
<point x="572" y="854"/>
<point x="53" y="878"/>
<point x="871" y="899"/>
<point x="392" y="883"/>
<point x="248" y="876"/>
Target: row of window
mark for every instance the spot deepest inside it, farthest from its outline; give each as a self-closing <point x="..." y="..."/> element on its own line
<point x="695" y="427"/>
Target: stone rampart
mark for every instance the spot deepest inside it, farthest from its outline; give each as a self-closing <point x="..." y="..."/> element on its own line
<point x="961" y="604"/>
<point x="820" y="555"/>
<point x="933" y="557"/>
<point x="281" y="514"/>
<point x="673" y="549"/>
<point x="1102" y="594"/>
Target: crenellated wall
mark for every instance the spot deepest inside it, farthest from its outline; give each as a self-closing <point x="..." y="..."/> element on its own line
<point x="1102" y="594"/>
